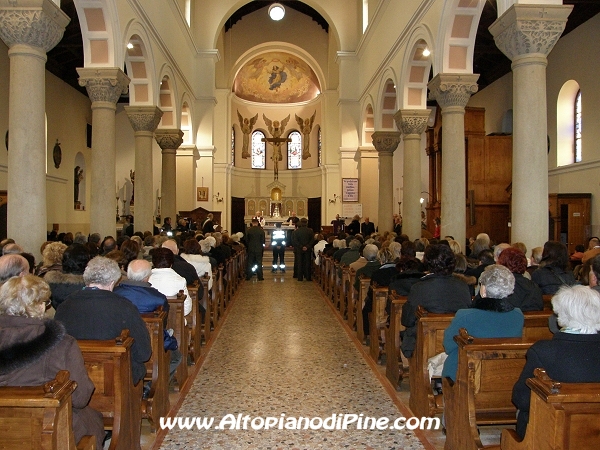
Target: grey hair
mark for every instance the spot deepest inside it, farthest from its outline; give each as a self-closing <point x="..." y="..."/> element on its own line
<point x="212" y="241"/>
<point x="485" y="237"/>
<point x="139" y="270"/>
<point x="498" y="280"/>
<point x="12" y="266"/>
<point x="355" y="244"/>
<point x="138" y="240"/>
<point x="80" y="238"/>
<point x="101" y="271"/>
<point x="22" y="296"/>
<point x="499" y="249"/>
<point x="95" y="238"/>
<point x="395" y="248"/>
<point x="205" y="246"/>
<point x="342" y="243"/>
<point x="370" y="252"/>
<point x="536" y="254"/>
<point x="12" y="249"/>
<point x="578" y="307"/>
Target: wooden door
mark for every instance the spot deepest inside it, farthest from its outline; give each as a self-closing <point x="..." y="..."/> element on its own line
<point x="578" y="218"/>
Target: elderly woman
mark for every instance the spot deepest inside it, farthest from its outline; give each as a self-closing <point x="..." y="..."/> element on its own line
<point x="74" y="261"/>
<point x="572" y="354"/>
<point x="527" y="295"/>
<point x="490" y="316"/>
<point x="192" y="254"/>
<point x="52" y="258"/>
<point x="33" y="350"/>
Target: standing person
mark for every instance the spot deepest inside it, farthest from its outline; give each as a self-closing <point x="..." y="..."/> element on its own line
<point x="354" y="227"/>
<point x="255" y="240"/>
<point x="167" y="225"/>
<point x="293" y="220"/>
<point x="302" y="240"/>
<point x="208" y="225"/>
<point x="278" y="246"/>
<point x="367" y="228"/>
<point x="259" y="218"/>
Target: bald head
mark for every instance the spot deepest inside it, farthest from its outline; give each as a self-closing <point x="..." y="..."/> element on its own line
<point x="13" y="266"/>
<point x="139" y="270"/>
<point x="171" y="245"/>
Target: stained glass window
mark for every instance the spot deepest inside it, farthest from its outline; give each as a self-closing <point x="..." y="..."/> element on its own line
<point x="258" y="150"/>
<point x="233" y="146"/>
<point x="319" y="147"/>
<point x="295" y="150"/>
<point x="577" y="127"/>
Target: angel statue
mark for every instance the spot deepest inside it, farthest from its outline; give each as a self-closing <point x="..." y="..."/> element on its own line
<point x="246" y="125"/>
<point x="276" y="129"/>
<point x="306" y="127"/>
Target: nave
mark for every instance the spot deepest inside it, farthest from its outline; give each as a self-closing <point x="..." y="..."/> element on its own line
<point x="281" y="350"/>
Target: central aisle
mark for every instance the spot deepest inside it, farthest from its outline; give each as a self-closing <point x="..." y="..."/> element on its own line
<point x="282" y="351"/>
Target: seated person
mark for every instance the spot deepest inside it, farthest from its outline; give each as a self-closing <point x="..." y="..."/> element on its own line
<point x="12" y="266"/>
<point x="552" y="272"/>
<point x="438" y="292"/>
<point x="33" y="350"/>
<point x="165" y="280"/>
<point x="572" y="354"/>
<point x="95" y="312"/>
<point x="527" y="295"/>
<point x="491" y="315"/>
<point x="62" y="284"/>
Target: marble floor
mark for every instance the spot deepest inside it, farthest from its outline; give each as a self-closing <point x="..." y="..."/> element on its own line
<point x="282" y="353"/>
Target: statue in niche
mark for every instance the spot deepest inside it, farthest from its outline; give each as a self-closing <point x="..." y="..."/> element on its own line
<point x="78" y="177"/>
<point x="306" y="126"/>
<point x="276" y="129"/>
<point x="132" y="178"/>
<point x="246" y="125"/>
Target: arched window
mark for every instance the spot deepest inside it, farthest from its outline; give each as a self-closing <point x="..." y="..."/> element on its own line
<point x="319" y="147"/>
<point x="233" y="146"/>
<point x="577" y="128"/>
<point x="294" y="150"/>
<point x="258" y="150"/>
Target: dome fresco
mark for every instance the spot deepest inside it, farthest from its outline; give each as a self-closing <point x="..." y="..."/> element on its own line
<point x="276" y="77"/>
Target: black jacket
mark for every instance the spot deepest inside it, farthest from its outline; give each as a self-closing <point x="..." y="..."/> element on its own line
<point x="527" y="296"/>
<point x="550" y="279"/>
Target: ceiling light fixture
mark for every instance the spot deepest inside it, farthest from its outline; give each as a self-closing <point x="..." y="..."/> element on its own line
<point x="276" y="11"/>
<point x="426" y="52"/>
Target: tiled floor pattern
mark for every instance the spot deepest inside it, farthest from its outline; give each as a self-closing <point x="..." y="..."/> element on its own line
<point x="282" y="351"/>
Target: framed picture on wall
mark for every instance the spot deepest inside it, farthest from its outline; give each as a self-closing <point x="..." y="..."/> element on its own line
<point x="349" y="189"/>
<point x="202" y="194"/>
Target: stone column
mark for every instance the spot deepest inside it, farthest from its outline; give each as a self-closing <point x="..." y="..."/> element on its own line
<point x="104" y="87"/>
<point x="452" y="92"/>
<point x="412" y="123"/>
<point x="144" y="120"/>
<point x="30" y="29"/>
<point x="386" y="142"/>
<point x="169" y="141"/>
<point x="526" y="34"/>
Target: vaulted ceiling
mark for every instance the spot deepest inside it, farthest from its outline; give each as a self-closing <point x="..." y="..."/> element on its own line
<point x="488" y="61"/>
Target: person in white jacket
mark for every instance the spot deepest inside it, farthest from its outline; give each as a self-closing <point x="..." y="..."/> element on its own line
<point x="166" y="280"/>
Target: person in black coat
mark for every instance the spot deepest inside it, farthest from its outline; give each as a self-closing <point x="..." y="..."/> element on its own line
<point x="354" y="227"/>
<point x="571" y="356"/>
<point x="438" y="292"/>
<point x="552" y="272"/>
<point x="527" y="295"/>
<point x="367" y="228"/>
<point x="255" y="241"/>
<point x="302" y="240"/>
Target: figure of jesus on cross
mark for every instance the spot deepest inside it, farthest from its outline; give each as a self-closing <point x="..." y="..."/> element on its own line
<point x="276" y="129"/>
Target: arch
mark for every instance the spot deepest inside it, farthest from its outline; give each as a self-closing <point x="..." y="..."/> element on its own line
<point x="139" y="62"/>
<point x="186" y="119"/>
<point x="415" y="70"/>
<point x="279" y="47"/>
<point x="167" y="100"/>
<point x="294" y="150"/>
<point x="387" y="106"/>
<point x="368" y="123"/>
<point x="456" y="37"/>
<point x="565" y="123"/>
<point x="99" y="22"/>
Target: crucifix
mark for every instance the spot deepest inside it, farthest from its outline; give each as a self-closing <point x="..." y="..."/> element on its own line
<point x="276" y="129"/>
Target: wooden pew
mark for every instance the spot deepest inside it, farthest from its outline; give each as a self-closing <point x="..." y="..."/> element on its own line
<point x="488" y="368"/>
<point x="547" y="298"/>
<point x="337" y="284"/>
<point x="360" y="301"/>
<point x="562" y="416"/>
<point x="330" y="279"/>
<point x="377" y="320"/>
<point x="220" y="291"/>
<point x="157" y="404"/>
<point x="194" y="324"/>
<point x="40" y="417"/>
<point x="394" y="366"/>
<point x="108" y="363"/>
<point x="430" y="337"/>
<point x="206" y="299"/>
<point x="176" y="321"/>
<point x="345" y="290"/>
<point x="352" y="296"/>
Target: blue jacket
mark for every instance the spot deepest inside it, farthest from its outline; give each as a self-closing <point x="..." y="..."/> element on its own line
<point x="145" y="298"/>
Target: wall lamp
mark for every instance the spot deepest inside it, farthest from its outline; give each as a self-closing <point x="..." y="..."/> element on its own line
<point x="218" y="197"/>
<point x="334" y="199"/>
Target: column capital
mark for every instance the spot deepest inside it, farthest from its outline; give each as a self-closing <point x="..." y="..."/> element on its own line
<point x="453" y="89"/>
<point x="144" y="118"/>
<point x="529" y="29"/>
<point x="386" y="141"/>
<point x="36" y="23"/>
<point x="169" y="139"/>
<point x="412" y="121"/>
<point x="104" y="84"/>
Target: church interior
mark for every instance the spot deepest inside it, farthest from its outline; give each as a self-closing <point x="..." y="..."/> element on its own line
<point x="477" y="112"/>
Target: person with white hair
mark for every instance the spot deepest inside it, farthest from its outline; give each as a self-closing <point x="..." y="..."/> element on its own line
<point x="180" y="265"/>
<point x="491" y="315"/>
<point x="571" y="356"/>
<point x="96" y="312"/>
